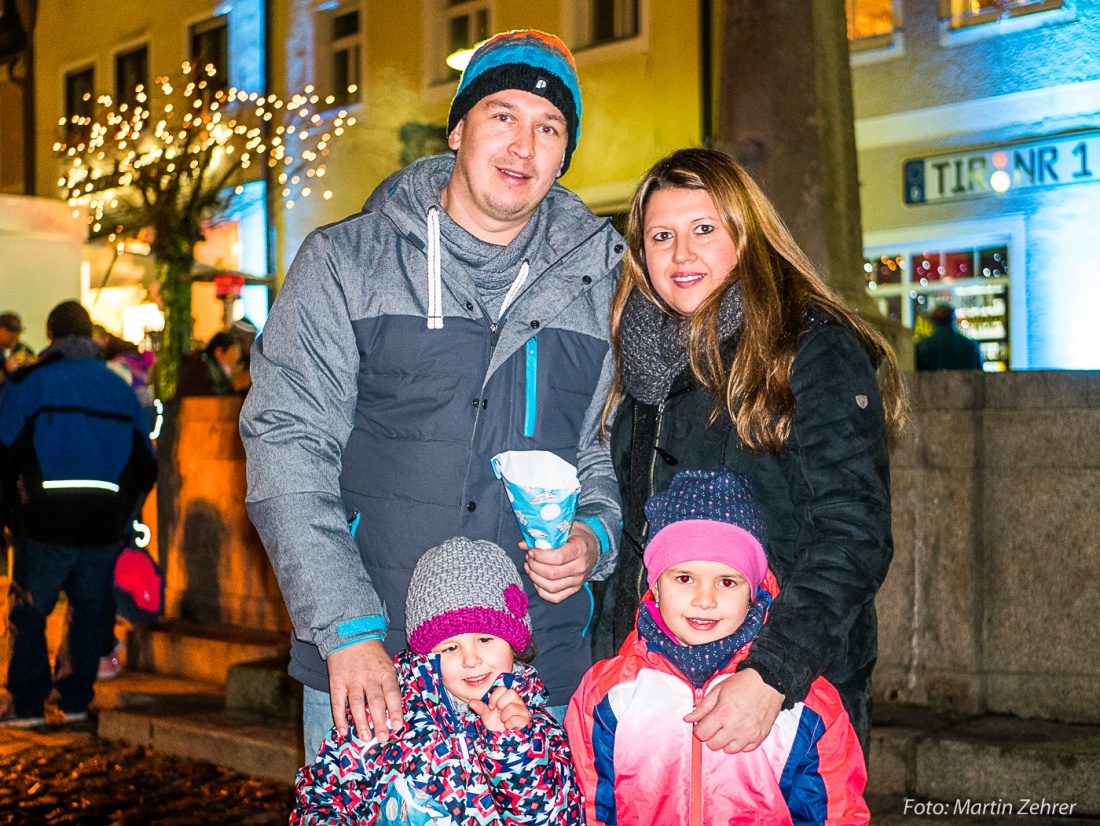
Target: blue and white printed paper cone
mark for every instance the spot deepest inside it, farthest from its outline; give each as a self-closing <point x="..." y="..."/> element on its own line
<point x="542" y="489"/>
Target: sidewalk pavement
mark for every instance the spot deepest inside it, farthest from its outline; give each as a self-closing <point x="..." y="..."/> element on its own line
<point x="924" y="767"/>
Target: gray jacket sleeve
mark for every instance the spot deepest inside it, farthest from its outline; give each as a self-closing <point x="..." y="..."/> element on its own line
<point x="600" y="505"/>
<point x="295" y="423"/>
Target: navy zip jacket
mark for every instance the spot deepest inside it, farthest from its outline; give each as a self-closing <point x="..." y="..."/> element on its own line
<point x="825" y="498"/>
<point x="75" y="458"/>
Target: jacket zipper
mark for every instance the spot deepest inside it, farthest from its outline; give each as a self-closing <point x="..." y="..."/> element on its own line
<point x="696" y="804"/>
<point x="652" y="484"/>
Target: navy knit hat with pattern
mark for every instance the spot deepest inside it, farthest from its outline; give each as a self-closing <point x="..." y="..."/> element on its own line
<point x="530" y="61"/>
<point x="707" y="515"/>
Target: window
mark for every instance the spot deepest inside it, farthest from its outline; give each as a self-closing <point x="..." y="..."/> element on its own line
<point x="79" y="101"/>
<point x="210" y="47"/>
<point x="345" y="58"/>
<point x="467" y="24"/>
<point x="605" y="21"/>
<point x="131" y="71"/>
<point x="963" y="13"/>
<point x="870" y="23"/>
<point x="340" y="54"/>
<point x="907" y="282"/>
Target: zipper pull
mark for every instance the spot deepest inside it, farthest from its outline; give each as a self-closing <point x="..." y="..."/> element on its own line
<point x="494" y="334"/>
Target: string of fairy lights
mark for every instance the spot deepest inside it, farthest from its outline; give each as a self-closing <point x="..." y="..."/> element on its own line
<point x="192" y="144"/>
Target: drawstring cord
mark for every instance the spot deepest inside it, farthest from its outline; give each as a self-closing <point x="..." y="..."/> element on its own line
<point x="435" y="282"/>
<point x="435" y="279"/>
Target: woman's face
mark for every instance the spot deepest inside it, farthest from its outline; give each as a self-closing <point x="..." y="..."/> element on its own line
<point x="688" y="252"/>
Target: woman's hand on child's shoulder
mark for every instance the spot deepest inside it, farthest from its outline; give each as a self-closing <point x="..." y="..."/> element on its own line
<point x="505" y="710"/>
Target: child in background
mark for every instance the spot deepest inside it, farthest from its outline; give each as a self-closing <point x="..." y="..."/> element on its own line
<point x="477" y="745"/>
<point x="637" y="759"/>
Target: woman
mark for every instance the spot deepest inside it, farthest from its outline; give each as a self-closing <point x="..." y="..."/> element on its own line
<point x="731" y="351"/>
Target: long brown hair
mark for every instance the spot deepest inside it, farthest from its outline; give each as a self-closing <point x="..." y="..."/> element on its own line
<point x="778" y="286"/>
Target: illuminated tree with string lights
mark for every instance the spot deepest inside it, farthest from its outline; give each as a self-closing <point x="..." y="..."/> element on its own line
<point x="172" y="158"/>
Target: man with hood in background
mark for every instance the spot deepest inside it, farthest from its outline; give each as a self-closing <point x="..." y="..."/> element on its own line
<point x="75" y="463"/>
<point x="462" y="313"/>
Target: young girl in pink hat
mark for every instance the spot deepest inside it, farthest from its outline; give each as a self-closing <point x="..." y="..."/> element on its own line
<point x="637" y="757"/>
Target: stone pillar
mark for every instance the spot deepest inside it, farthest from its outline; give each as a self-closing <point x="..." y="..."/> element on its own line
<point x="785" y="113"/>
<point x="216" y="569"/>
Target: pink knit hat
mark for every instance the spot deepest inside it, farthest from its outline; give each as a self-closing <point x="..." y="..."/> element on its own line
<point x="710" y="516"/>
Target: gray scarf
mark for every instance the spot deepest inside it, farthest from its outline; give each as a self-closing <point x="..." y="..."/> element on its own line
<point x="654" y="344"/>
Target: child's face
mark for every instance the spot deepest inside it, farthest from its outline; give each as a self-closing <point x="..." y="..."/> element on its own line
<point x="470" y="663"/>
<point x="701" y="602"/>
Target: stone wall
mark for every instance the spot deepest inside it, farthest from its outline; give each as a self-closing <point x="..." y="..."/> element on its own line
<point x="993" y="598"/>
<point x="217" y="572"/>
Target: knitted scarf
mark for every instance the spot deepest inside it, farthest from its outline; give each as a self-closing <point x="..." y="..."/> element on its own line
<point x="654" y="343"/>
<point x="701" y="662"/>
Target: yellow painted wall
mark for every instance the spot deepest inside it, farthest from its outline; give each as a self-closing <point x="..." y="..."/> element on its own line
<point x="640" y="103"/>
<point x="72" y="35"/>
<point x="641" y="99"/>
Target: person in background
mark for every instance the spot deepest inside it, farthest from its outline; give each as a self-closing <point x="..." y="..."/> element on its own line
<point x="732" y="351"/>
<point x="213" y="370"/>
<point x="946" y="348"/>
<point x="13" y="352"/>
<point x="69" y="484"/>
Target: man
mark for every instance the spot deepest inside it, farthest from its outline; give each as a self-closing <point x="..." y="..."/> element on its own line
<point x="464" y="312"/>
<point x="13" y="353"/>
<point x="75" y="460"/>
<point x="946" y="348"/>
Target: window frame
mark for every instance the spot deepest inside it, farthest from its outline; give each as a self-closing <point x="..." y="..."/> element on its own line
<point x="1040" y="14"/>
<point x="204" y="25"/>
<point x="324" y="15"/>
<point x="574" y="28"/>
<point x="1007" y="230"/>
<point x="116" y="57"/>
<point x="80" y="133"/>
<point x="438" y="81"/>
<point x="993" y="15"/>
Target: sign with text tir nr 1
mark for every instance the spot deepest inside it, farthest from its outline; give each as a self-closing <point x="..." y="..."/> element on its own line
<point x="1066" y="159"/>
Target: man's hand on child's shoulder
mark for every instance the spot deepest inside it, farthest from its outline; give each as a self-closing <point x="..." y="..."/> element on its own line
<point x="505" y="710"/>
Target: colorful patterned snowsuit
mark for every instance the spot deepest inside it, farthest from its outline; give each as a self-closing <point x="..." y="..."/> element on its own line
<point x="638" y="762"/>
<point x="444" y="768"/>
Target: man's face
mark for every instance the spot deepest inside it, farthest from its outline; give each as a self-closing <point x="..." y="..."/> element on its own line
<point x="510" y="150"/>
<point x="8" y="338"/>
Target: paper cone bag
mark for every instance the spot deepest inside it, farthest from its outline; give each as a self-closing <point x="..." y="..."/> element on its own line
<point x="542" y="489"/>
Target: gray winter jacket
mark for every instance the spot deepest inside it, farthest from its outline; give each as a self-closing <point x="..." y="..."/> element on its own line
<point x="365" y="408"/>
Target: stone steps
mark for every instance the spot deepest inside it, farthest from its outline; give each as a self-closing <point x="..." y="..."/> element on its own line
<point x="199" y="652"/>
<point x="185" y="718"/>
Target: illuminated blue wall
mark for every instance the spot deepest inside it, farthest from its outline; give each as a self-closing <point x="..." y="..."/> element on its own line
<point x="935" y="92"/>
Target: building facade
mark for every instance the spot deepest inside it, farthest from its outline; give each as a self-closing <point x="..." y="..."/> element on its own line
<point x="977" y="127"/>
<point x="978" y="131"/>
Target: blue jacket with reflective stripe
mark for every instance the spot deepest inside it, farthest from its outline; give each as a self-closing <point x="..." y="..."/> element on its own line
<point x="75" y="459"/>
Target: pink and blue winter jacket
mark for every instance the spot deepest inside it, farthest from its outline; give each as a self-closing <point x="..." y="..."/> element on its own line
<point x="638" y="762"/>
<point x="444" y="767"/>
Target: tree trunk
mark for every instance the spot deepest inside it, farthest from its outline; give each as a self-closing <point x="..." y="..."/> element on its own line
<point x="785" y="113"/>
<point x="174" y="277"/>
